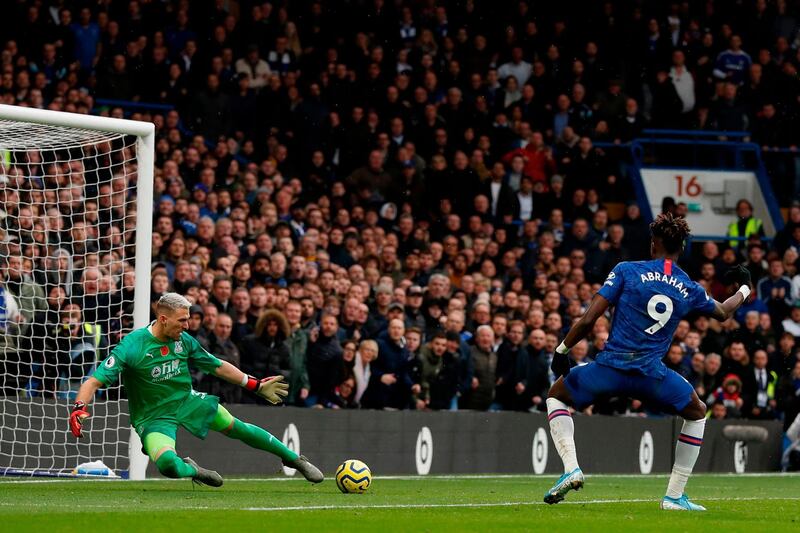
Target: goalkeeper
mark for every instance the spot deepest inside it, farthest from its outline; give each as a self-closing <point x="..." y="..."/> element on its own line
<point x="154" y="364"/>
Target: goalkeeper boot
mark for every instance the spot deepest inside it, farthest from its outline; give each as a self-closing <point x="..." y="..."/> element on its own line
<point x="680" y="504"/>
<point x="204" y="476"/>
<point x="569" y="481"/>
<point x="309" y="471"/>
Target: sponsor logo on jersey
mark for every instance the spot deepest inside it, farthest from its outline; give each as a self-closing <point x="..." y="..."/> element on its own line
<point x="178" y="347"/>
<point x="110" y="362"/>
<point x="166" y="370"/>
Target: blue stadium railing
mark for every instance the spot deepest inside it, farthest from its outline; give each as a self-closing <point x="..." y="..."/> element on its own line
<point x="714" y="150"/>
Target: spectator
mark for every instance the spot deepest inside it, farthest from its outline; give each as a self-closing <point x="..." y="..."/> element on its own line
<point x="324" y="358"/>
<point x="344" y="395"/>
<point x="733" y="64"/>
<point x="538" y="158"/>
<point x="728" y="114"/>
<point x="675" y="360"/>
<point x="791" y="324"/>
<point x="439" y="377"/>
<point x="74" y="348"/>
<point x="297" y="345"/>
<point x="265" y="352"/>
<point x="758" y="389"/>
<point x="776" y="290"/>
<point x="390" y="383"/>
<point x="484" y="364"/>
<point x="729" y="394"/>
<point x="518" y="68"/>
<point x="737" y="361"/>
<point x="220" y="344"/>
<point x="683" y="81"/>
<point x="508" y="354"/>
<point x="746" y="224"/>
<point x="221" y="295"/>
<point x="531" y="377"/>
<point x="718" y="411"/>
<point x="254" y="68"/>
<point x="362" y="370"/>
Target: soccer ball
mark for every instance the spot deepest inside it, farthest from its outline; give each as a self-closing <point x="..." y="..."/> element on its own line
<point x="353" y="477"/>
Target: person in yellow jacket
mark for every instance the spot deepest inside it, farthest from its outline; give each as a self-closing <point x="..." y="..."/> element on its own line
<point x="745" y="225"/>
<point x="758" y="389"/>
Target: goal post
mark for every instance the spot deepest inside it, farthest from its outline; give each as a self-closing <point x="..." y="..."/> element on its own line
<point x="76" y="204"/>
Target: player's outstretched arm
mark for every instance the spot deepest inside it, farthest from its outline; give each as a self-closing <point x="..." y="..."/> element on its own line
<point x="79" y="412"/>
<point x="585" y="323"/>
<point x="577" y="332"/>
<point x="273" y="389"/>
<point x="741" y="276"/>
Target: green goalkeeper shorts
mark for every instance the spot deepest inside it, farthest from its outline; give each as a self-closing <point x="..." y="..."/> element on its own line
<point x="195" y="415"/>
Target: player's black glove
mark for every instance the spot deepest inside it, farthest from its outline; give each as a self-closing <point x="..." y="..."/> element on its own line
<point x="560" y="365"/>
<point x="739" y="275"/>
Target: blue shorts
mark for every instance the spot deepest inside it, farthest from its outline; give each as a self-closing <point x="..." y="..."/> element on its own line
<point x="588" y="383"/>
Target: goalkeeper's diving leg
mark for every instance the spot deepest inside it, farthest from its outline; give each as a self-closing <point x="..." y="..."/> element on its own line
<point x="161" y="450"/>
<point x="259" y="438"/>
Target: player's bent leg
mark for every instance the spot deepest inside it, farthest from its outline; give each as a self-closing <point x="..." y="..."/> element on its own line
<point x="161" y="450"/>
<point x="562" y="429"/>
<point x="261" y="439"/>
<point x="686" y="451"/>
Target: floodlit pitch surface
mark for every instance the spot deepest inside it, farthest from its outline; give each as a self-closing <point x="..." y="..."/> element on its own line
<point x="457" y="503"/>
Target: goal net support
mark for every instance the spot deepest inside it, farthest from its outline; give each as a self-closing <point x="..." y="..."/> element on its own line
<point x="76" y="201"/>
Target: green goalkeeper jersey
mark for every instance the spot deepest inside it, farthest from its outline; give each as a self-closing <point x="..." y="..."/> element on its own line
<point x="155" y="374"/>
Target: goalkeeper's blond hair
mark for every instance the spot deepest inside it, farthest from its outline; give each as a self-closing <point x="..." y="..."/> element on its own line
<point x="172" y="301"/>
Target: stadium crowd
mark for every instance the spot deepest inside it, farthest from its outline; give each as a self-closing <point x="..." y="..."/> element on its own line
<point x="394" y="204"/>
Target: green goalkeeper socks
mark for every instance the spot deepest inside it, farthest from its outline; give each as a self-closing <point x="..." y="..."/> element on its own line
<point x="260" y="438"/>
<point x="170" y="465"/>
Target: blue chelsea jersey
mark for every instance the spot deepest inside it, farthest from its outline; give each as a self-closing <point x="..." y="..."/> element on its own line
<point x="650" y="298"/>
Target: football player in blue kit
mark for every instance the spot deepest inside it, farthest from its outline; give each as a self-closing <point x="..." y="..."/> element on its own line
<point x="650" y="298"/>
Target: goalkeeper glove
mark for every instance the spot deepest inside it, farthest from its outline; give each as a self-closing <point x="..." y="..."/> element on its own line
<point x="739" y="274"/>
<point x="272" y="389"/>
<point x="560" y="365"/>
<point x="76" y="418"/>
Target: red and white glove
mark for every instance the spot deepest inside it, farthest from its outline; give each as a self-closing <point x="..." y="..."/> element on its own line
<point x="76" y="418"/>
<point x="272" y="389"/>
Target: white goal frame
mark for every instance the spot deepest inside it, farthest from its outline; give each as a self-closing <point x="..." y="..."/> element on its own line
<point x="145" y="150"/>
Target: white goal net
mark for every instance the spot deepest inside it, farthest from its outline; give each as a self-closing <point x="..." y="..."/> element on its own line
<point x="69" y="200"/>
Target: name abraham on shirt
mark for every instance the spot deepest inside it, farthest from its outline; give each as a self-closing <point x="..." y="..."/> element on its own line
<point x="670" y="280"/>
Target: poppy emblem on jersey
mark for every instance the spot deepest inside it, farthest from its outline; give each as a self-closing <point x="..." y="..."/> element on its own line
<point x="164" y="350"/>
<point x="178" y="347"/>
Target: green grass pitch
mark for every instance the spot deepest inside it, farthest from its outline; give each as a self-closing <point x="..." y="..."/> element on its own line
<point x="465" y="503"/>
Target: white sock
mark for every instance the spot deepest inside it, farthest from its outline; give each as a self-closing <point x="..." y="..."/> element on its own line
<point x="562" y="429"/>
<point x="686" y="452"/>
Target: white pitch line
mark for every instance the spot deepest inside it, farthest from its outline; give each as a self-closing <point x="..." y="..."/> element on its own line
<point x="488" y="504"/>
<point x="465" y="505"/>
